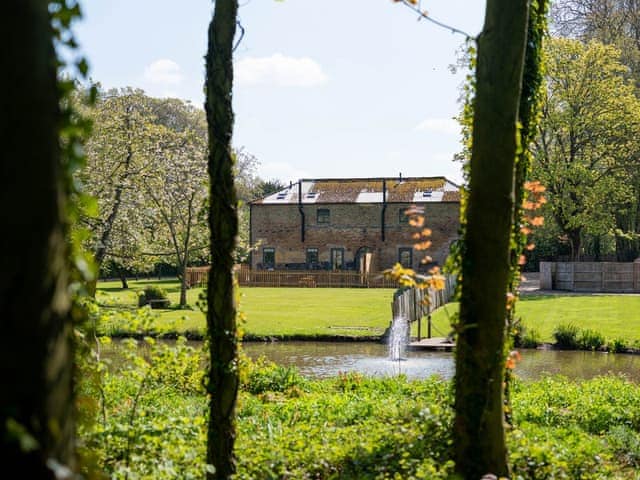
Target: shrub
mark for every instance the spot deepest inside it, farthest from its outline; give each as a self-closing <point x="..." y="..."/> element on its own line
<point x="566" y="336"/>
<point x="619" y="345"/>
<point x="154" y="296"/>
<point x="265" y="376"/>
<point x="591" y="340"/>
<point x="625" y="443"/>
<point x="531" y="339"/>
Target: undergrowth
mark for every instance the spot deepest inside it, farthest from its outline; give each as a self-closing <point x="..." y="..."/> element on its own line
<point x="145" y="416"/>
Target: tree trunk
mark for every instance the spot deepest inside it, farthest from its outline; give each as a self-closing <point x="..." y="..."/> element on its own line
<point x="575" y="241"/>
<point x="123" y="278"/>
<point x="223" y="222"/>
<point x="529" y="109"/>
<point x="183" y="283"/>
<point x="36" y="343"/>
<point x="479" y="437"/>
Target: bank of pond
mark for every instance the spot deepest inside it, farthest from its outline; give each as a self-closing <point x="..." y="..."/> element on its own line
<point x="144" y="412"/>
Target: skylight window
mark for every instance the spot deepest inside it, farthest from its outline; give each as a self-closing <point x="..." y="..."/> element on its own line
<point x="281" y="196"/>
<point x="427" y="193"/>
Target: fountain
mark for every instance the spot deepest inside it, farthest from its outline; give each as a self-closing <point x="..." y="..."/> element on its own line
<point x="398" y="336"/>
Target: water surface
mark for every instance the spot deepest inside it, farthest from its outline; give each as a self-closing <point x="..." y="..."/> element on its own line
<point x="326" y="359"/>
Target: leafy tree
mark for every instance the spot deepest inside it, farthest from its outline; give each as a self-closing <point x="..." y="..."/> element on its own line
<point x="118" y="152"/>
<point x="36" y="404"/>
<point x="246" y="182"/>
<point x="223" y="378"/>
<point x="479" y="437"/>
<point x="176" y="185"/>
<point x="588" y="138"/>
<point x="612" y="22"/>
<point x="267" y="187"/>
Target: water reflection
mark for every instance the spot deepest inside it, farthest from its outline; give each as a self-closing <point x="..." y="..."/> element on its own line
<point x="325" y="359"/>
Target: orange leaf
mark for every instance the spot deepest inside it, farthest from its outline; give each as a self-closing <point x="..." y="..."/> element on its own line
<point x="416" y="221"/>
<point x="422" y="245"/>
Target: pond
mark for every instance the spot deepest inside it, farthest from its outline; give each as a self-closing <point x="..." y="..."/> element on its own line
<point x="325" y="359"/>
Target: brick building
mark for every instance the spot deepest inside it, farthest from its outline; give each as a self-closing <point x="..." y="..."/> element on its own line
<point x="332" y="223"/>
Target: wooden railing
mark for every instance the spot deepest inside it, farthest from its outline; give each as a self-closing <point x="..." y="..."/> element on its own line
<point x="411" y="304"/>
<point x="198" y="276"/>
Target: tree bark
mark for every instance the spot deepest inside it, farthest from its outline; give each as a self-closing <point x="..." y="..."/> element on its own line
<point x="36" y="343"/>
<point x="575" y="240"/>
<point x="182" y="268"/>
<point x="223" y="222"/>
<point x="123" y="279"/>
<point x="479" y="436"/>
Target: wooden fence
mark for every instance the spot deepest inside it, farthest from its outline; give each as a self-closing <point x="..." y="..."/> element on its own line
<point x="591" y="276"/>
<point x="198" y="276"/>
<point x="411" y="304"/>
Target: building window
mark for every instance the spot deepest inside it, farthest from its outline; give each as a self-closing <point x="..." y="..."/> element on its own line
<point x="403" y="218"/>
<point x="323" y="215"/>
<point x="269" y="257"/>
<point x="337" y="258"/>
<point x="405" y="257"/>
<point x="312" y="256"/>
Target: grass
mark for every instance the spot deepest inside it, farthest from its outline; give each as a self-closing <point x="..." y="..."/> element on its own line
<point x="614" y="316"/>
<point x="273" y="312"/>
<point x="365" y="312"/>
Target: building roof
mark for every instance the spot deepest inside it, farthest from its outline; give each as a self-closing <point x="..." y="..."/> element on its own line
<point x="366" y="190"/>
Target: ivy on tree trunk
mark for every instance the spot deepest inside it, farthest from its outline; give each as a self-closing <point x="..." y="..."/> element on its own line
<point x="223" y="222"/>
<point x="36" y="404"/>
<point x="480" y="358"/>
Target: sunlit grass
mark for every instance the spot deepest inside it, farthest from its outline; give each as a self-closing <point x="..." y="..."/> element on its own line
<point x="366" y="312"/>
<point x="614" y="316"/>
<point x="273" y="311"/>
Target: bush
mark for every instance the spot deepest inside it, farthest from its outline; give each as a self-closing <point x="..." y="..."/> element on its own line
<point x="566" y="336"/>
<point x="265" y="376"/>
<point x="625" y="443"/>
<point x="154" y="296"/>
<point x="591" y="340"/>
<point x="531" y="339"/>
<point x="619" y="345"/>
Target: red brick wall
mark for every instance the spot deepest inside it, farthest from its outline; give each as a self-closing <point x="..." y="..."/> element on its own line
<point x="351" y="227"/>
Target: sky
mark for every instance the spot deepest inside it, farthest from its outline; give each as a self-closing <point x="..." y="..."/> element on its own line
<point x="322" y="88"/>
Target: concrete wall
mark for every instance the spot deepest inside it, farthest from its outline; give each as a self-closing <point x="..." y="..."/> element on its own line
<point x="591" y="276"/>
<point x="351" y="227"/>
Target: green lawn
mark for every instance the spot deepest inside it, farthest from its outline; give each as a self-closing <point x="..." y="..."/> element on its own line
<point x="365" y="312"/>
<point x="273" y="311"/>
<point x="615" y="316"/>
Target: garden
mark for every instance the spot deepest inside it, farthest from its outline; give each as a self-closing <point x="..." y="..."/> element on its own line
<point x="573" y="321"/>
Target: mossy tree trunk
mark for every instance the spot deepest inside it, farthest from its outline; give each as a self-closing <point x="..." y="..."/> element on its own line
<point x="223" y="222"/>
<point x="480" y="358"/>
<point x="36" y="404"/>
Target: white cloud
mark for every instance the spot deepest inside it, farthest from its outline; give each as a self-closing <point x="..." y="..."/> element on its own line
<point x="447" y="126"/>
<point x="279" y="70"/>
<point x="163" y="72"/>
